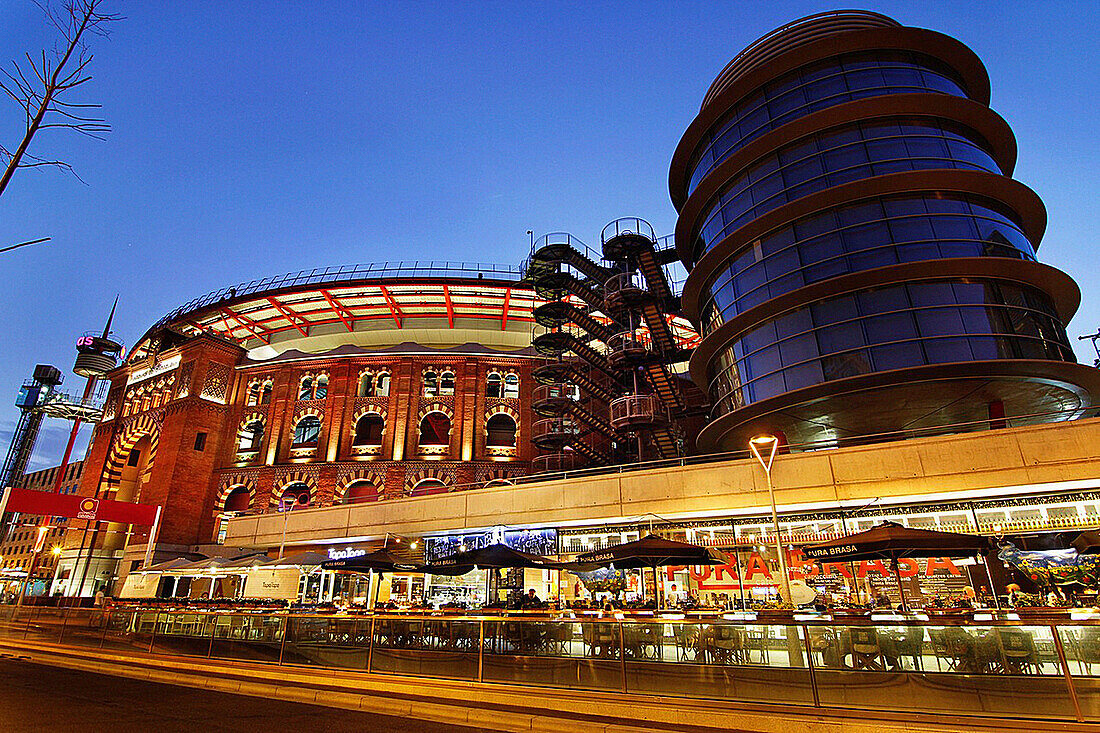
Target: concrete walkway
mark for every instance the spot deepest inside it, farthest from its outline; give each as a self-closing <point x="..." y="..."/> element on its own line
<point x="36" y="698"/>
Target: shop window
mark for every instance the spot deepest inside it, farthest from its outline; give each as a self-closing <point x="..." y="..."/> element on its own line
<point x="501" y="429"/>
<point x="494" y="385"/>
<point x="250" y="436"/>
<point x="435" y="429"/>
<point x="368" y="429"/>
<point x="511" y="385"/>
<point x="447" y="383"/>
<point x="307" y="430"/>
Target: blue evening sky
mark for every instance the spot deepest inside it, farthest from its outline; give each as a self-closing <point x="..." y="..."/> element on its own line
<point x="252" y="139"/>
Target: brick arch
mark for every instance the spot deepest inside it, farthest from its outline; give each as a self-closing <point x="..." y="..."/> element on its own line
<point x="436" y="406"/>
<point x="250" y="417"/>
<point x="124" y="441"/>
<point x="377" y="478"/>
<point x="502" y="409"/>
<point x="306" y="412"/>
<point x="415" y="477"/>
<point x="377" y="409"/>
<point x="228" y="485"/>
<point x="496" y="476"/>
<point x="292" y="477"/>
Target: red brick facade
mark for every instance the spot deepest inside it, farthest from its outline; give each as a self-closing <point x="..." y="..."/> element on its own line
<point x="208" y="386"/>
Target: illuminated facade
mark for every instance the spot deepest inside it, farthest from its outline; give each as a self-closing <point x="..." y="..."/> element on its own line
<point x="861" y="269"/>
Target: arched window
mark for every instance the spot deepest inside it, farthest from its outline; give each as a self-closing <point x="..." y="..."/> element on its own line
<point x="253" y="394"/>
<point x="250" y="436"/>
<point x="366" y="385"/>
<point x="501" y="429"/>
<point x="494" y="385"/>
<point x="305" y="390"/>
<point x="447" y="383"/>
<point x="362" y="491"/>
<point x="511" y="385"/>
<point x="295" y="494"/>
<point x="428" y="486"/>
<point x="382" y="385"/>
<point x="435" y="429"/>
<point x="238" y="500"/>
<point x="265" y="395"/>
<point x="307" y="430"/>
<point x="321" y="391"/>
<point x="431" y="384"/>
<point x="368" y="429"/>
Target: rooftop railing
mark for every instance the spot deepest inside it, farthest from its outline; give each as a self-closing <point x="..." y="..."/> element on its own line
<point x="349" y="273"/>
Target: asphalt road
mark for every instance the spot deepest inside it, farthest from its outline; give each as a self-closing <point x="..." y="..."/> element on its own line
<point x="35" y="697"/>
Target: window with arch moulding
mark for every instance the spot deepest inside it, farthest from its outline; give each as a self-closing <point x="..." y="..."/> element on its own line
<point x="307" y="431"/>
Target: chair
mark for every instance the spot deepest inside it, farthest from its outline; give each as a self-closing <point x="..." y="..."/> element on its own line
<point x="866" y="653"/>
<point x="911" y="644"/>
<point x="1017" y="651"/>
<point x="601" y="638"/>
<point x="690" y="639"/>
<point x="756" y="639"/>
<point x="726" y="645"/>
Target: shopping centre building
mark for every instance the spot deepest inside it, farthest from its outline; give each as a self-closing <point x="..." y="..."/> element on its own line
<point x="862" y="284"/>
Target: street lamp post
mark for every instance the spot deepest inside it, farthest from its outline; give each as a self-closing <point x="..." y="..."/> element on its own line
<point x="770" y="443"/>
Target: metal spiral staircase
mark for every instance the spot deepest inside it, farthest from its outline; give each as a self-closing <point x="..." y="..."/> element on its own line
<point x="608" y="394"/>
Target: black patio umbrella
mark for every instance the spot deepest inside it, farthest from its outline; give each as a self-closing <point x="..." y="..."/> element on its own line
<point x="654" y="552"/>
<point x="1087" y="543"/>
<point x="891" y="541"/>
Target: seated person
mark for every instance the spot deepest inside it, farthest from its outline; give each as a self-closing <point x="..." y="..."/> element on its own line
<point x="531" y="600"/>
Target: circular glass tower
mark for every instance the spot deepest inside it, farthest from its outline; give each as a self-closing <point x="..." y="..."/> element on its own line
<point x="862" y="264"/>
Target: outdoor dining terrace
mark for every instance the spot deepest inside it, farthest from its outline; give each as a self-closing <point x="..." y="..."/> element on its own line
<point x="995" y="666"/>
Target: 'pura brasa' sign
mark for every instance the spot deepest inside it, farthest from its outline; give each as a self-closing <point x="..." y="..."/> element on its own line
<point x="756" y="571"/>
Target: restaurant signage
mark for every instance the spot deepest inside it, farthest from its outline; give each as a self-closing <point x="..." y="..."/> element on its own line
<point x="160" y="367"/>
<point x="277" y="583"/>
<point x="140" y="585"/>
<point x="755" y="570"/>
<point x="29" y="501"/>
<point x="345" y="554"/>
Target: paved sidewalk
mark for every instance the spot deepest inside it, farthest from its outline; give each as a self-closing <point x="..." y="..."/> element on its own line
<point x="36" y="698"/>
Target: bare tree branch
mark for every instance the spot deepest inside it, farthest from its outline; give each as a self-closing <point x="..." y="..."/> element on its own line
<point x="55" y="74"/>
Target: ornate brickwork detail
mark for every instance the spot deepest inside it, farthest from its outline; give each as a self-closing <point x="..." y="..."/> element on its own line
<point x="439" y="404"/>
<point x="305" y="474"/>
<point x="502" y="408"/>
<point x="130" y="432"/>
<point x="183" y="384"/>
<point x="414" y="476"/>
<point x="317" y="410"/>
<point x="371" y="476"/>
<point x="216" y="386"/>
<point x="229" y="484"/>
